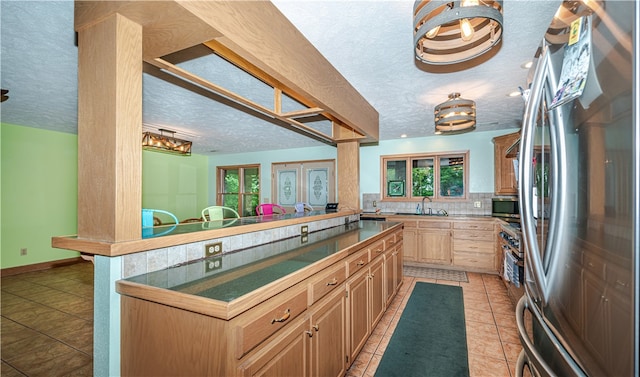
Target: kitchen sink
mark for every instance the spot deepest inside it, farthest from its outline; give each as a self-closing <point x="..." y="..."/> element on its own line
<point x="439" y="212"/>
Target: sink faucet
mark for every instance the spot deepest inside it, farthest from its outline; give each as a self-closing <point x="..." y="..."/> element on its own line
<point x="430" y="201"/>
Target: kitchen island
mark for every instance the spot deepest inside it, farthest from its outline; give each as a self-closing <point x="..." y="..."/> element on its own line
<point x="299" y="306"/>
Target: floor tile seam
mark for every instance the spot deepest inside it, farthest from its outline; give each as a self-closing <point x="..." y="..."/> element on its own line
<point x="50" y="308"/>
<point x="57" y="340"/>
<point x="55" y="289"/>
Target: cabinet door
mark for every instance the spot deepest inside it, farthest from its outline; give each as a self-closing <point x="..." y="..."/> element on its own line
<point x="410" y="239"/>
<point x="390" y="261"/>
<point x="286" y="355"/>
<point x="357" y="312"/>
<point x="505" y="177"/>
<point x="328" y="328"/>
<point x="376" y="289"/>
<point x="434" y="246"/>
<point x="595" y="325"/>
<point x="398" y="256"/>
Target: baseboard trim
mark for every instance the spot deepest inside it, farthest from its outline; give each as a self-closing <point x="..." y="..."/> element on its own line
<point x="40" y="266"/>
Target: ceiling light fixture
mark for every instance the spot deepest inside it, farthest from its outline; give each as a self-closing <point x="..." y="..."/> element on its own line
<point x="167" y="144"/>
<point x="450" y="32"/>
<point x="455" y="116"/>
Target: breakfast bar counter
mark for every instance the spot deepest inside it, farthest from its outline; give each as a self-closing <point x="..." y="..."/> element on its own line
<point x="235" y="313"/>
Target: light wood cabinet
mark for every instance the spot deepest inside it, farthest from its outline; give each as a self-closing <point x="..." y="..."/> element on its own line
<point x="457" y="243"/>
<point x="314" y="324"/>
<point x="504" y="174"/>
<point x="410" y="235"/>
<point x="434" y="242"/>
<point x="474" y="245"/>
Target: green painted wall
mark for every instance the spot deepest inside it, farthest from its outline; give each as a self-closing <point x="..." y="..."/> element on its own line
<point x="38" y="187"/>
<point x="39" y="193"/>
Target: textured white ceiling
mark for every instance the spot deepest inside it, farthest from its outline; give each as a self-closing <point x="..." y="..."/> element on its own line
<point x="369" y="42"/>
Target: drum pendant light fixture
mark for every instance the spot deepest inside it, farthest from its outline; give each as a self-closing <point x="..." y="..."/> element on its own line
<point x="451" y="32"/>
<point x="455" y="116"/>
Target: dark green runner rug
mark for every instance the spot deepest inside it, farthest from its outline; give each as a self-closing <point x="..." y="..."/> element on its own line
<point x="430" y="338"/>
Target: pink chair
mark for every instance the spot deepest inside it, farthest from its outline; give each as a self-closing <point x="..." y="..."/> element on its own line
<point x="268" y="209"/>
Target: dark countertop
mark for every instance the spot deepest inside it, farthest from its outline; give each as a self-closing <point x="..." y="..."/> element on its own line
<point x="229" y="276"/>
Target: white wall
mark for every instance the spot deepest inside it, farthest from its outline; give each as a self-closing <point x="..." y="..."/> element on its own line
<point x="478" y="143"/>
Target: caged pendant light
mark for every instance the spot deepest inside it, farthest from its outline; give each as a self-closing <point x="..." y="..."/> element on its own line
<point x="451" y="32"/>
<point x="455" y="116"/>
<point x="165" y="143"/>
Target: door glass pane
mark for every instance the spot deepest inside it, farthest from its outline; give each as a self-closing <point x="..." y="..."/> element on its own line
<point x="230" y="200"/>
<point x="250" y="203"/>
<point x="422" y="177"/>
<point x="251" y="180"/>
<point x="231" y="181"/>
<point x="452" y="177"/>
<point x="396" y="175"/>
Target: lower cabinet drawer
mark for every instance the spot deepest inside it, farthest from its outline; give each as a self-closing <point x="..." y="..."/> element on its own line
<point x="476" y="235"/>
<point x="476" y="260"/>
<point x="476" y="246"/>
<point x="357" y="261"/>
<point x="265" y="319"/>
<point x="326" y="281"/>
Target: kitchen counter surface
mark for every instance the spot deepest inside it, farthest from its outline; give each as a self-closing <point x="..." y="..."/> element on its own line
<point x="393" y="215"/>
<point x="224" y="278"/>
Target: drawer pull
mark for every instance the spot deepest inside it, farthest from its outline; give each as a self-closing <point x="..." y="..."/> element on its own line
<point x="309" y="333"/>
<point x="333" y="281"/>
<point x="286" y="316"/>
<point x="361" y="263"/>
<point x="316" y="327"/>
<point x="622" y="284"/>
<point x="378" y="251"/>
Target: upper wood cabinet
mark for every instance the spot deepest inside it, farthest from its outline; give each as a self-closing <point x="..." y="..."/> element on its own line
<point x="505" y="177"/>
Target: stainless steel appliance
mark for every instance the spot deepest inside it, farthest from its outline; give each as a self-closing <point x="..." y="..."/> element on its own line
<point x="506" y="208"/>
<point x="579" y="189"/>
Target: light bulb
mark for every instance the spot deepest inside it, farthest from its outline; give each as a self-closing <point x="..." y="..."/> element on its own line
<point x="469" y="3"/>
<point x="466" y="30"/>
<point x="433" y="32"/>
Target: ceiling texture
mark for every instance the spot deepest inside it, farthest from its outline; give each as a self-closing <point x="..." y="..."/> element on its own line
<point x="369" y="42"/>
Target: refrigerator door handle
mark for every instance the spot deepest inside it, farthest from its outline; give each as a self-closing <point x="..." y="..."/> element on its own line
<point x="532" y="357"/>
<point x="532" y="252"/>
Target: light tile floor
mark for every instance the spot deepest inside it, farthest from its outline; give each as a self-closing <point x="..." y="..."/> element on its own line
<point x="492" y="338"/>
<point x="47" y="324"/>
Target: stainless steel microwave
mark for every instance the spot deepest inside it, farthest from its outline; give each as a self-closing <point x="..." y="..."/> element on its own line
<point x="507" y="208"/>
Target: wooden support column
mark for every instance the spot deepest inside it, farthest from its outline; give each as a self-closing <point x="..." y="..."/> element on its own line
<point x="110" y="130"/>
<point x="349" y="175"/>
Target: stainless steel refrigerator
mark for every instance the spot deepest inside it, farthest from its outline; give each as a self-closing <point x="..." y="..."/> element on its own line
<point x="579" y="195"/>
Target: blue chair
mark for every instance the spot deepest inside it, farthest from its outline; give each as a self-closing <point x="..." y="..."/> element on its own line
<point x="149" y="221"/>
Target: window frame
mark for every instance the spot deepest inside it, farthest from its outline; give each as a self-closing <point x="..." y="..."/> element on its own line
<point x="220" y="185"/>
<point x="408" y="186"/>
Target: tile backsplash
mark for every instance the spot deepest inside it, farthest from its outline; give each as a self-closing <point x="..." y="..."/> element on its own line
<point x="468" y="207"/>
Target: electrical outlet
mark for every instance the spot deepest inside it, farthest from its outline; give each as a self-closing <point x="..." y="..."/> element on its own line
<point x="477" y="204"/>
<point x="304" y="230"/>
<point x="375" y="204"/>
<point x="23" y="251"/>
<point x="304" y="238"/>
<point x="213" y="264"/>
<point x="212" y="249"/>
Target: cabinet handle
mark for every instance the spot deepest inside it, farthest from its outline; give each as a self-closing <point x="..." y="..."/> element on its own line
<point x="316" y="327"/>
<point x="618" y="282"/>
<point x="378" y="251"/>
<point x="286" y="316"/>
<point x="309" y="333"/>
<point x="333" y="281"/>
<point x="361" y="263"/>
